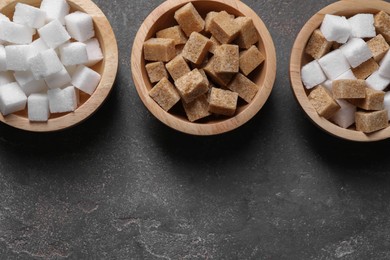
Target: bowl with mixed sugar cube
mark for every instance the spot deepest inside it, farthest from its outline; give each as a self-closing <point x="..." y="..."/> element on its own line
<point x="340" y="69"/>
<point x="58" y="63"/>
<point x="203" y="67"/>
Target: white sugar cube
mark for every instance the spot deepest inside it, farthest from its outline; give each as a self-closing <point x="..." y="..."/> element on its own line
<point x="62" y="100"/>
<point x="54" y="34"/>
<point x="59" y="79"/>
<point x="37" y="47"/>
<point x="28" y="83"/>
<point x="29" y="16"/>
<point x="387" y="103"/>
<point x="94" y="52"/>
<point x="377" y="82"/>
<point x="17" y="57"/>
<point x="362" y="26"/>
<point x="356" y="51"/>
<point x="86" y="79"/>
<point x="336" y="28"/>
<point x="6" y="77"/>
<point x="55" y="10"/>
<point x="45" y="64"/>
<point x="38" y="107"/>
<point x="347" y="75"/>
<point x="74" y="53"/>
<point x="334" y="64"/>
<point x="345" y="117"/>
<point x="384" y="69"/>
<point x="12" y="99"/>
<point x="312" y="75"/>
<point x="80" y="26"/>
<point x="15" y="33"/>
<point x="3" y="59"/>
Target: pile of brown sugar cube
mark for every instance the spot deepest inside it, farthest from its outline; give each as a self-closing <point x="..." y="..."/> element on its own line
<point x="348" y="80"/>
<point x="204" y="63"/>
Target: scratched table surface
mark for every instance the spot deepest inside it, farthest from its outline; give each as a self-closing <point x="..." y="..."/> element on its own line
<point x="124" y="186"/>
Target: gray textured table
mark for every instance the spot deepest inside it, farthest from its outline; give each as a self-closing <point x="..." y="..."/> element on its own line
<point x="124" y="186"/>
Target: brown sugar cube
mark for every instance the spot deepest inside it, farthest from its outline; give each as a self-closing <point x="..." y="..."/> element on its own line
<point x="227" y="59"/>
<point x="368" y="122"/>
<point x="323" y="102"/>
<point x="174" y="33"/>
<point x="374" y="100"/>
<point x="177" y="67"/>
<point x="349" y="88"/>
<point x="223" y="102"/>
<point x="189" y="19"/>
<point x="224" y="28"/>
<point x="318" y="46"/>
<point x="248" y="34"/>
<point x="382" y="24"/>
<point x="197" y="109"/>
<point x="159" y="49"/>
<point x="250" y="60"/>
<point x="192" y="85"/>
<point x="165" y="94"/>
<point x="214" y="44"/>
<point x="222" y="79"/>
<point x="196" y="48"/>
<point x="378" y="47"/>
<point x="156" y="71"/>
<point x="245" y="88"/>
<point x="365" y="69"/>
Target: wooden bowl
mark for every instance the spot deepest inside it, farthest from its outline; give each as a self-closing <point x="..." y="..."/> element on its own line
<point x="162" y="17"/>
<point x="107" y="69"/>
<point x="346" y="8"/>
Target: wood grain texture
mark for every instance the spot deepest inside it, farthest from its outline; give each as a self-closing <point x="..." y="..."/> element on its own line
<point x="107" y="69"/>
<point x="299" y="59"/>
<point x="162" y="17"/>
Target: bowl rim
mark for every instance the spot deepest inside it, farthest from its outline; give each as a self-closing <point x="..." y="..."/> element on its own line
<point x="108" y="74"/>
<point x="297" y="53"/>
<point x="185" y="126"/>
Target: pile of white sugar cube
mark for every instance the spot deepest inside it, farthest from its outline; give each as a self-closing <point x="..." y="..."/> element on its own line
<point x="45" y="55"/>
<point x="354" y="48"/>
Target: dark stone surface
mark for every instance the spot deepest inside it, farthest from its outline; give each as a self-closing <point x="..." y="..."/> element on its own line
<point x="124" y="186"/>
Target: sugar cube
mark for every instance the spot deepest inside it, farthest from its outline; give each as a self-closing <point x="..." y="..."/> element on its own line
<point x="189" y="19"/>
<point x="80" y="26"/>
<point x="28" y="83"/>
<point x="59" y="79"/>
<point x="364" y="70"/>
<point x="362" y="26"/>
<point x="196" y="48"/>
<point x="38" y="107"/>
<point x="334" y="64"/>
<point x="244" y="87"/>
<point x="369" y="122"/>
<point x="384" y="69"/>
<point x="17" y="57"/>
<point x="227" y="59"/>
<point x="94" y="52"/>
<point x="250" y="60"/>
<point x="159" y="49"/>
<point x="54" y="34"/>
<point x="74" y="53"/>
<point x="86" y="79"/>
<point x="15" y="33"/>
<point x="318" y="46"/>
<point x="29" y="15"/>
<point x="224" y="28"/>
<point x="177" y="67"/>
<point x="45" y="64"/>
<point x="192" y="85"/>
<point x="55" y="10"/>
<point x="387" y="103"/>
<point x="349" y="88"/>
<point x="336" y="28"/>
<point x="382" y="24"/>
<point x="165" y="94"/>
<point x="12" y="99"/>
<point x="312" y="75"/>
<point x="62" y="100"/>
<point x="377" y="82"/>
<point x="3" y="59"/>
<point x="6" y="77"/>
<point x="223" y="102"/>
<point x="356" y="51"/>
<point x="156" y="71"/>
<point x="378" y="47"/>
<point x="323" y="102"/>
<point x="248" y="34"/>
<point x="197" y="109"/>
<point x="345" y="117"/>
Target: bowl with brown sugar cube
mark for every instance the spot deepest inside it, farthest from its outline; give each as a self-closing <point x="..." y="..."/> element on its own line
<point x="203" y="67"/>
<point x="340" y="69"/>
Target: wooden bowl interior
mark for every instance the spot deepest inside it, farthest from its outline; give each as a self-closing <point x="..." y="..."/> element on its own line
<point x="20" y="119"/>
<point x="167" y="20"/>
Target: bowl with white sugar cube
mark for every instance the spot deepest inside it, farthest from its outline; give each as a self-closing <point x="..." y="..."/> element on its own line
<point x="58" y="63"/>
<point x="203" y="67"/>
<point x="340" y="69"/>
